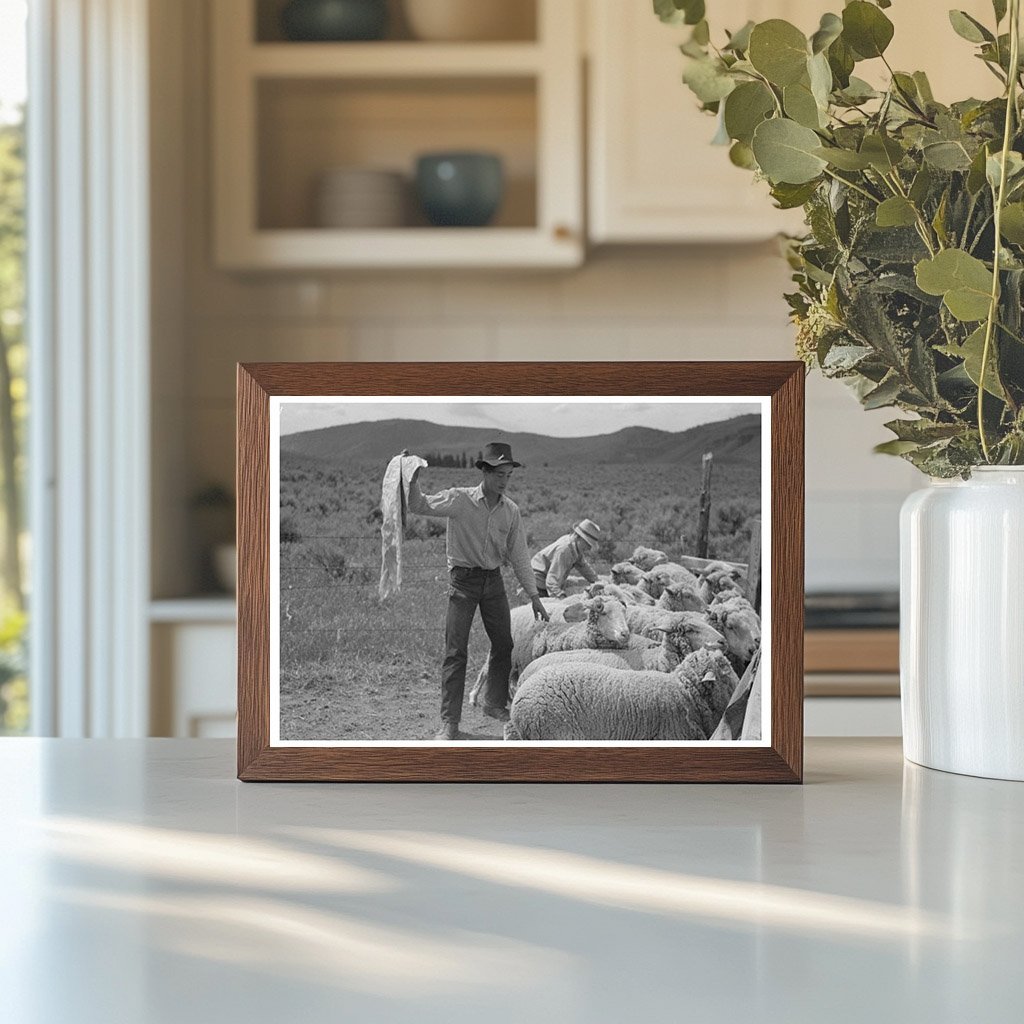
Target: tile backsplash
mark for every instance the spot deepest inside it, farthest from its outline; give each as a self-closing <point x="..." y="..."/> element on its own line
<point x="716" y="302"/>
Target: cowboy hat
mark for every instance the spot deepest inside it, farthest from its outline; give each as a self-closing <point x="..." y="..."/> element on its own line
<point x="497" y="454"/>
<point x="589" y="531"/>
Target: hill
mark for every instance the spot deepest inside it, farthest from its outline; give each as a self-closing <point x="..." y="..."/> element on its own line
<point x="735" y="441"/>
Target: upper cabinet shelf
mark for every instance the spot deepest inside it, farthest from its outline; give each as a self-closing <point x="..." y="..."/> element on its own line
<point x="315" y="144"/>
<point x="394" y="59"/>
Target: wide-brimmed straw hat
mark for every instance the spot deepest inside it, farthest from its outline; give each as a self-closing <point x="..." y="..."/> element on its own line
<point x="497" y="454"/>
<point x="589" y="531"/>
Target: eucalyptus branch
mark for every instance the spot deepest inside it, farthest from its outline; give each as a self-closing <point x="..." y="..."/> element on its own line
<point x="993" y="308"/>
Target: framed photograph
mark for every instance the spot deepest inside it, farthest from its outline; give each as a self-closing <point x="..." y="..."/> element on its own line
<point x="511" y="572"/>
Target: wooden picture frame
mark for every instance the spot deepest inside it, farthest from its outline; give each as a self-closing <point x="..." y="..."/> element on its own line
<point x="778" y="757"/>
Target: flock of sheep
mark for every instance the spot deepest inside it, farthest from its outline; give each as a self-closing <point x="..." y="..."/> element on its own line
<point x="652" y="651"/>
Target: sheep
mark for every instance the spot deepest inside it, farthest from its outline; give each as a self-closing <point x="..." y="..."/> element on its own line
<point x="609" y="590"/>
<point x="580" y="701"/>
<point x="595" y="702"/>
<point x="626" y="572"/>
<point x="625" y="593"/>
<point x="736" y="619"/>
<point x="597" y="622"/>
<point x="651" y="622"/>
<point x="720" y="578"/>
<point x="663" y="657"/>
<point x="637" y="595"/>
<point x="711" y="677"/>
<point x="681" y="597"/>
<point x="647" y="558"/>
<point x="661" y="576"/>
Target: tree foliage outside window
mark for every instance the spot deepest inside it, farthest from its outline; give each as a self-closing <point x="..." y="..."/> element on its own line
<point x="14" y="706"/>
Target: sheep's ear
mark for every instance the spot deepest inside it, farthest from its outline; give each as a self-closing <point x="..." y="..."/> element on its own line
<point x="576" y="612"/>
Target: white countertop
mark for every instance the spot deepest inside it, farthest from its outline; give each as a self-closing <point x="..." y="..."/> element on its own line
<point x="142" y="884"/>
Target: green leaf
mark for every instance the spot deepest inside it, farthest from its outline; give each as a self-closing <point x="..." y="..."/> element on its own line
<point x="883" y="153"/>
<point x="745" y="108"/>
<point x="858" y="91"/>
<point x="924" y="88"/>
<point x="999" y="7"/>
<point x="963" y="281"/>
<point x="921" y="185"/>
<point x="742" y="155"/>
<point x="946" y="156"/>
<point x="830" y="28"/>
<point x="785" y="152"/>
<point x="789" y="197"/>
<point x="1011" y="225"/>
<point x="820" y="75"/>
<point x="800" y="105"/>
<point x="739" y="41"/>
<point x="778" y="50"/>
<point x="844" y="159"/>
<point x="895" y="447"/>
<point x="841" y="60"/>
<point x="895" y="213"/>
<point x="707" y="80"/>
<point x="866" y="29"/>
<point x="923" y="431"/>
<point x="721" y="136"/>
<point x="994" y="167"/>
<point x="976" y="174"/>
<point x="701" y="33"/>
<point x="939" y="220"/>
<point x="885" y="394"/>
<point x="968" y="28"/>
<point x="971" y="352"/>
<point x="676" y="12"/>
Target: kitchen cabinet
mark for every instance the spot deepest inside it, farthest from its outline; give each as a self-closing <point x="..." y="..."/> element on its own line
<point x="193" y="671"/>
<point x="286" y="113"/>
<point x="653" y="175"/>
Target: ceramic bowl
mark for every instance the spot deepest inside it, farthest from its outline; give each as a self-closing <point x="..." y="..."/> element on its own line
<point x="334" y="20"/>
<point x="460" y="189"/>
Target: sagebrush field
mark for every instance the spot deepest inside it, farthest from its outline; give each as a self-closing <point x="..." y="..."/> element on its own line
<point x="355" y="669"/>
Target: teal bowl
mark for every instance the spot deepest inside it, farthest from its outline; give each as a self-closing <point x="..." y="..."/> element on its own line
<point x="461" y="190"/>
<point x="333" y="21"/>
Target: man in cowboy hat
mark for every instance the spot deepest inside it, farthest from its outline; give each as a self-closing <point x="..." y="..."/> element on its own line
<point x="485" y="530"/>
<point x="552" y="564"/>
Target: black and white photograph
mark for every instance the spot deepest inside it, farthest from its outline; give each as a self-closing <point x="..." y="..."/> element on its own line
<point x="564" y="570"/>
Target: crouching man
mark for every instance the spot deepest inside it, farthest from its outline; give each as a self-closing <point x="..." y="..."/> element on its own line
<point x="484" y="530"/>
<point x="552" y="565"/>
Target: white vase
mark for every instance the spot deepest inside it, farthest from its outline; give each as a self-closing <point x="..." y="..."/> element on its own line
<point x="962" y="624"/>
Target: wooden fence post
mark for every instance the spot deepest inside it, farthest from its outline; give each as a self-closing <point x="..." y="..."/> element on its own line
<point x="754" y="565"/>
<point x="704" y="522"/>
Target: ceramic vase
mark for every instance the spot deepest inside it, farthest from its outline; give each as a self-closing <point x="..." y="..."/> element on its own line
<point x="962" y="624"/>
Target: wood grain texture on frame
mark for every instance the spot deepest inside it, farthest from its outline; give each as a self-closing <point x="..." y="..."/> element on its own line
<point x="783" y="382"/>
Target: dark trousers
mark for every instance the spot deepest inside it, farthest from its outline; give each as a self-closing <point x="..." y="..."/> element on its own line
<point x="470" y="589"/>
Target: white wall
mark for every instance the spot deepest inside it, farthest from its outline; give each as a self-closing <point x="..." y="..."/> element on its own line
<point x="721" y="302"/>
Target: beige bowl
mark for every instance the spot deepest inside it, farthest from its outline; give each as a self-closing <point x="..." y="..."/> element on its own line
<point x="471" y="20"/>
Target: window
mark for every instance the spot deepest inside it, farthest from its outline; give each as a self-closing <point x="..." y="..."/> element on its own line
<point x="14" y="549"/>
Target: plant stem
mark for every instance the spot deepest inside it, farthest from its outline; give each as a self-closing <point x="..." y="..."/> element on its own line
<point x="922" y="225"/>
<point x="993" y="308"/>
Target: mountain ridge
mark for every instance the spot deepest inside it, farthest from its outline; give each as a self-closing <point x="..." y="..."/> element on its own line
<point x="732" y="441"/>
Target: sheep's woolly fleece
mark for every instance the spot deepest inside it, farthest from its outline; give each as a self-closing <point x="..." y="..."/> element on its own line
<point x="594" y="702"/>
